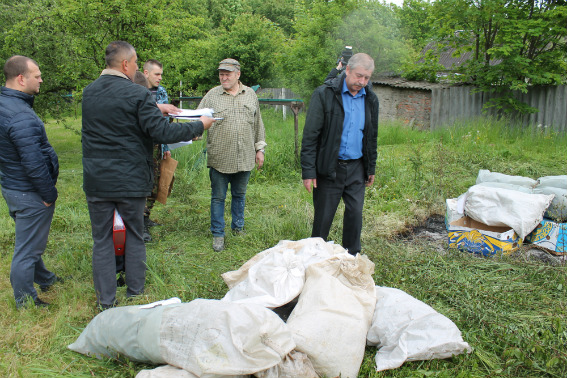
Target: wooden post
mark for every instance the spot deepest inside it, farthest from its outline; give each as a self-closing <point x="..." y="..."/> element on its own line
<point x="295" y="106"/>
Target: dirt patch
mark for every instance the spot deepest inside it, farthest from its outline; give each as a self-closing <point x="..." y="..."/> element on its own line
<point x="433" y="232"/>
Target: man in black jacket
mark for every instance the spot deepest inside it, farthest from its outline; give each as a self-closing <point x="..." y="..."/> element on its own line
<point x="121" y="122"/>
<point x="28" y="172"/>
<point x="338" y="151"/>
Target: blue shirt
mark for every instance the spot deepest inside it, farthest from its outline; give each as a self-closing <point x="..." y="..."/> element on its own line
<point x="353" y="125"/>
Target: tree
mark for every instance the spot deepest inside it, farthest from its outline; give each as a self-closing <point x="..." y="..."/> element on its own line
<point x="514" y="43"/>
<point x="415" y="22"/>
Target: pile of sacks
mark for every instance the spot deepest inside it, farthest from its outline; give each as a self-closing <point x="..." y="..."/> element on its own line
<point x="336" y="310"/>
<point x="517" y="202"/>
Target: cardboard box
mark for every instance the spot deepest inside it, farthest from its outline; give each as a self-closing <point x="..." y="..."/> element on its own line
<point x="550" y="235"/>
<point x="469" y="235"/>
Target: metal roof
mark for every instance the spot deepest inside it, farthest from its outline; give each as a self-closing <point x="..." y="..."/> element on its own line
<point x="398" y="82"/>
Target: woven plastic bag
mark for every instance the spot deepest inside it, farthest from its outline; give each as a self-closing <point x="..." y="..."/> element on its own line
<point x="503" y="207"/>
<point x="333" y="314"/>
<point x="205" y="337"/>
<point x="406" y="329"/>
<point x="276" y="276"/>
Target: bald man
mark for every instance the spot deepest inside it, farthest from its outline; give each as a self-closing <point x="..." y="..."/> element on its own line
<point x="121" y="122"/>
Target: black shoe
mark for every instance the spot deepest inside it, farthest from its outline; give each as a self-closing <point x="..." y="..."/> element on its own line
<point x="103" y="307"/>
<point x="45" y="288"/>
<point x="150" y="223"/>
<point x="39" y="303"/>
<point x="147" y="237"/>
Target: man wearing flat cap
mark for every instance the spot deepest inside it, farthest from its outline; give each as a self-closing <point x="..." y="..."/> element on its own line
<point x="234" y="146"/>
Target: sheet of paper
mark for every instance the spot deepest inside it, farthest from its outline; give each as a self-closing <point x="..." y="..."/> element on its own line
<point x="189" y="113"/>
<point x="173" y="146"/>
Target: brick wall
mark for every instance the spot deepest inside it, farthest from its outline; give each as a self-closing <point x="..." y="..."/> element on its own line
<point x="411" y="106"/>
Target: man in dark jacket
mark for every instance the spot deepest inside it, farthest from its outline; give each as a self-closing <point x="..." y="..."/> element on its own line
<point x="338" y="151"/>
<point x="28" y="173"/>
<point x="121" y="122"/>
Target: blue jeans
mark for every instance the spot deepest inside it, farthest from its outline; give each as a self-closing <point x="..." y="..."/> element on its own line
<point x="33" y="220"/>
<point x="219" y="185"/>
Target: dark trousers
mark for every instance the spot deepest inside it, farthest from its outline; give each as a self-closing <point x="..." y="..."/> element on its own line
<point x="33" y="221"/>
<point x="101" y="212"/>
<point x="348" y="185"/>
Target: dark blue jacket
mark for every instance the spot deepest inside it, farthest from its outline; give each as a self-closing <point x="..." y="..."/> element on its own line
<point x="28" y="163"/>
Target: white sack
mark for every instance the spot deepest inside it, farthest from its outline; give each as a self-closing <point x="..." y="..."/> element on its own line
<point x="557" y="211"/>
<point x="208" y="337"/>
<point x="484" y="175"/>
<point x="294" y="365"/>
<point x="205" y="337"/>
<point x="333" y="314"/>
<point x="406" y="329"/>
<point x="552" y="181"/>
<point x="274" y="281"/>
<point x="130" y="331"/>
<point x="165" y="371"/>
<point x="168" y="371"/>
<point x="519" y="188"/>
<point x="502" y="207"/>
<point x="276" y="276"/>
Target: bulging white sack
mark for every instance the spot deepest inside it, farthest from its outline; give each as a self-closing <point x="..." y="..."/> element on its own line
<point x="519" y="188"/>
<point x="275" y="280"/>
<point x="294" y="365"/>
<point x="168" y="371"/>
<point x="276" y="276"/>
<point x="557" y="211"/>
<point x="552" y="181"/>
<point x="503" y="207"/>
<point x="205" y="337"/>
<point x="333" y="314"/>
<point x="484" y="175"/>
<point x="406" y="329"/>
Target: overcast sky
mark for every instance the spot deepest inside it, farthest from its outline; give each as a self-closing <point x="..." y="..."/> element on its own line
<point x="397" y="2"/>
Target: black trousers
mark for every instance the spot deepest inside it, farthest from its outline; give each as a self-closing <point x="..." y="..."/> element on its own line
<point x="348" y="185"/>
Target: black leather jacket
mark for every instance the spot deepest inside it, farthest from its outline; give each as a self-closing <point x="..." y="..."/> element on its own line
<point x="323" y="130"/>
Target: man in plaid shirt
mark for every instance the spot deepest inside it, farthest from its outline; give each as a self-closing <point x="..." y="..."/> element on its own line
<point x="234" y="146"/>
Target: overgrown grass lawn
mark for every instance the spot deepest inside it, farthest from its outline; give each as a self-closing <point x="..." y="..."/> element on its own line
<point x="511" y="311"/>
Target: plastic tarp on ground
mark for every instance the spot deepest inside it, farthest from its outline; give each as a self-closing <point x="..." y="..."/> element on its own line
<point x="406" y="329"/>
<point x="205" y="337"/>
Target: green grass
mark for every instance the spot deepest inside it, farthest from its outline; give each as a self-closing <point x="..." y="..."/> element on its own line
<point x="511" y="312"/>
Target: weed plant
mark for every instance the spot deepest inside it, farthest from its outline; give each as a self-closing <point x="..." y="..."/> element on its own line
<point x="511" y="311"/>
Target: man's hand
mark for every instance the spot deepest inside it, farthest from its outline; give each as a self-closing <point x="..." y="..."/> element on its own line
<point x="259" y="159"/>
<point x="307" y="184"/>
<point x="47" y="204"/>
<point x="370" y="180"/>
<point x="166" y="155"/>
<point x="167" y="109"/>
<point x="207" y="121"/>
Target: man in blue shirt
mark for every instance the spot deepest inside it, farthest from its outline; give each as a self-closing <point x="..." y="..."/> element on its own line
<point x="338" y="152"/>
<point x="153" y="71"/>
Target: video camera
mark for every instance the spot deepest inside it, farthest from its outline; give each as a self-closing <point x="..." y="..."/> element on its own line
<point x="345" y="56"/>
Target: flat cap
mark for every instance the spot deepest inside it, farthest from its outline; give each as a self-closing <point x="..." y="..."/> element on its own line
<point x="229" y="65"/>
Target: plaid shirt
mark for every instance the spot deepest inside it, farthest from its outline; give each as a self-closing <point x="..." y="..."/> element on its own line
<point x="232" y="142"/>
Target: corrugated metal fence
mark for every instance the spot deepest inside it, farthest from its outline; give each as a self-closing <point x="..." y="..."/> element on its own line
<point x="452" y="104"/>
